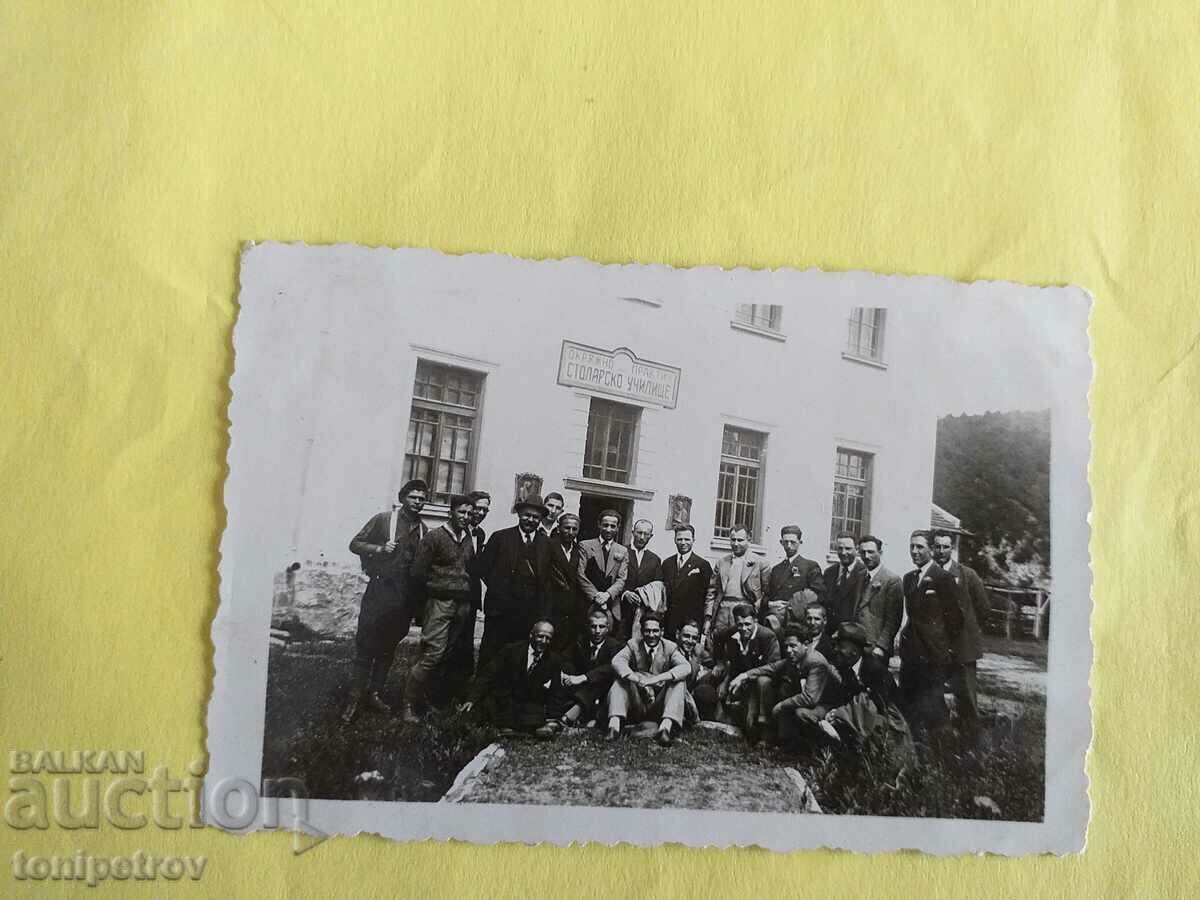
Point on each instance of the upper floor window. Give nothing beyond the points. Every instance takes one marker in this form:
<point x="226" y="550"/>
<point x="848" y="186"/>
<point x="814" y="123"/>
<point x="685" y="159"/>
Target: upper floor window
<point x="441" y="429"/>
<point x="763" y="316"/>
<point x="739" y="481"/>
<point x="611" y="438"/>
<point x="865" y="335"/>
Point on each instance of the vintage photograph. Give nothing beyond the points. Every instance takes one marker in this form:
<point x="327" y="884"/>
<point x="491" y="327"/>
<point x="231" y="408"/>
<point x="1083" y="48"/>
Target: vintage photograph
<point x="775" y="557"/>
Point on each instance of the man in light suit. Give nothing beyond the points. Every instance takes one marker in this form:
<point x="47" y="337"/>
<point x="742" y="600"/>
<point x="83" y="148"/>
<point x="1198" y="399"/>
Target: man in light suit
<point x="788" y="578"/>
<point x="844" y="581"/>
<point x="973" y="598"/>
<point x="737" y="578"/>
<point x="879" y="611"/>
<point x="651" y="682"/>
<point x="686" y="577"/>
<point x="644" y="568"/>
<point x="927" y="642"/>
<point x="606" y="563"/>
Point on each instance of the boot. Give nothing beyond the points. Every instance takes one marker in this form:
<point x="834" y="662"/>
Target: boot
<point x="407" y="715"/>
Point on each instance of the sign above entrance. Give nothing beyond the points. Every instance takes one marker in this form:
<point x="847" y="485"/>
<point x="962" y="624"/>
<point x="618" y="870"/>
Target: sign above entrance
<point x="618" y="373"/>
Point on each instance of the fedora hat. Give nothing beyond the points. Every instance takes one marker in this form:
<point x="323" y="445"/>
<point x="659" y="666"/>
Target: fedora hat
<point x="533" y="501"/>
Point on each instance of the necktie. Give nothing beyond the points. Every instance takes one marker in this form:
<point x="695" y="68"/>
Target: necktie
<point x="842" y="576"/>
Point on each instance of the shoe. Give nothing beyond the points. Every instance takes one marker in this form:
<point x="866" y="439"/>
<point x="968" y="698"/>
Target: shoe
<point x="664" y="738"/>
<point x="613" y="734"/>
<point x="350" y="712"/>
<point x="546" y="733"/>
<point x="829" y="730"/>
<point x="408" y="716"/>
<point x="375" y="703"/>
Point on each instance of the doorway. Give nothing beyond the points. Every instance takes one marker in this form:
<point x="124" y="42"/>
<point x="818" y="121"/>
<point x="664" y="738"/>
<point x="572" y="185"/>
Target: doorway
<point x="590" y="507"/>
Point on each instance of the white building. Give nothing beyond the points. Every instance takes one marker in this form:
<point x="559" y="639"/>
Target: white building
<point x="629" y="389"/>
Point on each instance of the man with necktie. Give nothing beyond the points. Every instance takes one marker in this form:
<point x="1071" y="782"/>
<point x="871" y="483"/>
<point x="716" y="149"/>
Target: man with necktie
<point x="513" y="566"/>
<point x="787" y="581"/>
<point x="737" y="578"/>
<point x="568" y="594"/>
<point x="686" y="577"/>
<point x="927" y="642"/>
<point x="968" y="648"/>
<point x="645" y="567"/>
<point x="588" y="672"/>
<point x="879" y="612"/>
<point x="606" y="563"/>
<point x="514" y="688"/>
<point x="844" y="581"/>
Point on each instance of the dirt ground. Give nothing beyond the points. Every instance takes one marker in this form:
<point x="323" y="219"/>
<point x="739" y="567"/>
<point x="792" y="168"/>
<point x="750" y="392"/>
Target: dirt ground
<point x="703" y="769"/>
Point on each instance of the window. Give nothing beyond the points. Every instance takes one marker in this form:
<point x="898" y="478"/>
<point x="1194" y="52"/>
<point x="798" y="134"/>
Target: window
<point x="851" y="494"/>
<point x="441" y="430"/>
<point x="739" y="484"/>
<point x="865" y="337"/>
<point x="611" y="433"/>
<point x="759" y="315"/>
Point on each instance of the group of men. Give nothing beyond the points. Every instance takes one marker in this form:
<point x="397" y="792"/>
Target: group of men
<point x="595" y="632"/>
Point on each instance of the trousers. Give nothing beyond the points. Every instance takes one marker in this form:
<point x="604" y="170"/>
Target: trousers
<point x="629" y="702"/>
<point x="445" y="618"/>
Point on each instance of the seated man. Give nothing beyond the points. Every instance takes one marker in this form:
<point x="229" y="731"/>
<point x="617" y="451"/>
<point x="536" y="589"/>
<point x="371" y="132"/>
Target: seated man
<point x="701" y="704"/>
<point x="815" y="628"/>
<point x="866" y="710"/>
<point x="651" y="682"/>
<point x="745" y="646"/>
<point x="798" y="680"/>
<point x="513" y="688"/>
<point x="588" y="671"/>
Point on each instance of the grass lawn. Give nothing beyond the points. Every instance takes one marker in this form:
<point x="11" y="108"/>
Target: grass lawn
<point x="304" y="738"/>
<point x="1025" y="648"/>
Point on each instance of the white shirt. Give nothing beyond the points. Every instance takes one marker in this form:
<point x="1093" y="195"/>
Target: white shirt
<point x="923" y="571"/>
<point x="637" y="555"/>
<point x="682" y="560"/>
<point x="528" y="538"/>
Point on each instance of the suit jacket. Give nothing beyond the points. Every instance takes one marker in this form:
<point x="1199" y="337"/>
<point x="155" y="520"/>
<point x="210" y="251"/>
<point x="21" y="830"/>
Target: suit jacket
<point x="973" y="599"/>
<point x="753" y="570"/>
<point x="610" y="577"/>
<point x="934" y="618"/>
<point x="797" y="684"/>
<point x="516" y="697"/>
<point x="568" y="594"/>
<point x="476" y="584"/>
<point x="786" y="579"/>
<point x="687" y="590"/>
<point x="842" y="600"/>
<point x="497" y="567"/>
<point x="704" y="668"/>
<point x="733" y="659"/>
<point x="880" y="609"/>
<point x="650" y="569"/>
<point x="598" y="669"/>
<point x="635" y="656"/>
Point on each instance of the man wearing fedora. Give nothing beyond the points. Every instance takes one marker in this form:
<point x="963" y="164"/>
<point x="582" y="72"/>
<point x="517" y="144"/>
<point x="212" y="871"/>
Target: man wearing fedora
<point x="386" y="546"/>
<point x="513" y="566"/>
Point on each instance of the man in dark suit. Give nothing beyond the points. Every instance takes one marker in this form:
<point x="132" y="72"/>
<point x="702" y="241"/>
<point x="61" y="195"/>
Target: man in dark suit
<point x="747" y="645"/>
<point x="588" y="671"/>
<point x="815" y="627"/>
<point x="879" y="612"/>
<point x="973" y="599"/>
<point x="844" y="581"/>
<point x="789" y="577"/>
<point x="606" y="563"/>
<point x="567" y="597"/>
<point x="644" y="567"/>
<point x="513" y="566"/>
<point x="514" y="687"/>
<point x="685" y="577"/>
<point x="927" y="642"/>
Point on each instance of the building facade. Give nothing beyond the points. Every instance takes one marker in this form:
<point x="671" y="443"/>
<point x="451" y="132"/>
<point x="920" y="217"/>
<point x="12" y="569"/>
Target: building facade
<point x="673" y="403"/>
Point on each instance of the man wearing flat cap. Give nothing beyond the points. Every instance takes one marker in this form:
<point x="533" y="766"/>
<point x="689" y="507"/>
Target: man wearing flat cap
<point x="439" y="574"/>
<point x="386" y="546"/>
<point x="513" y="566"/>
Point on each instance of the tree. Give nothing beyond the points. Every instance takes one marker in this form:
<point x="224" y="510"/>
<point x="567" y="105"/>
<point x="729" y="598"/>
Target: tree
<point x="993" y="472"/>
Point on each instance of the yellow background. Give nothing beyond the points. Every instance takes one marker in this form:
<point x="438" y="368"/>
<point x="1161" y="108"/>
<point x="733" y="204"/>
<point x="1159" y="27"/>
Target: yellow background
<point x="140" y="144"/>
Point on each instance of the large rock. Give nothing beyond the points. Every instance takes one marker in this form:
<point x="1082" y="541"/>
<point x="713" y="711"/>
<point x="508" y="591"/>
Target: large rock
<point x="318" y="599"/>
